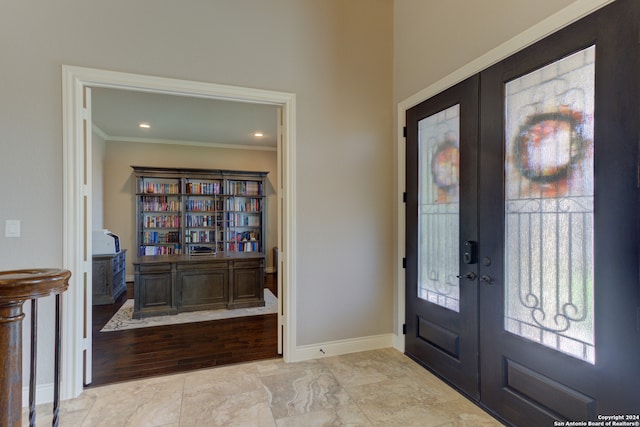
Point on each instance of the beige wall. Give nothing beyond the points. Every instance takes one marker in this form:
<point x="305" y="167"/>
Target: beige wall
<point x="119" y="200"/>
<point x="335" y="55"/>
<point x="433" y="38"/>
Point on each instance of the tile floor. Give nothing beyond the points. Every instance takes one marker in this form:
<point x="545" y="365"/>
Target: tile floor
<point x="373" y="388"/>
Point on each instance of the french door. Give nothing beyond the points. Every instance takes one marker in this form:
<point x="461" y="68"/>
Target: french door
<point x="442" y="303"/>
<point x="522" y="228"/>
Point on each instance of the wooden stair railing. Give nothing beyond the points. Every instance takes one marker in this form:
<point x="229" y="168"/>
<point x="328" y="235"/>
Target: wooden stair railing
<point x="17" y="286"/>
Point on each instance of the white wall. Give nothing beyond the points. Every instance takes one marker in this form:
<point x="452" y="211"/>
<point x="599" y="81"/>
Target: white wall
<point x="335" y="55"/>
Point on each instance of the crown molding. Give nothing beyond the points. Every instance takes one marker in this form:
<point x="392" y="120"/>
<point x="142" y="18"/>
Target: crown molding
<point x="190" y="143"/>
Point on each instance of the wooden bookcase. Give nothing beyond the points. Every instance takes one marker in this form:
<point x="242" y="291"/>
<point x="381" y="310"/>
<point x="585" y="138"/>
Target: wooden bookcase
<point x="182" y="211"/>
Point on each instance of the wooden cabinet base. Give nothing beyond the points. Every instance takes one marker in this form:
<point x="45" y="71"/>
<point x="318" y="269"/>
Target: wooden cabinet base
<point x="170" y="284"/>
<point x="108" y="273"/>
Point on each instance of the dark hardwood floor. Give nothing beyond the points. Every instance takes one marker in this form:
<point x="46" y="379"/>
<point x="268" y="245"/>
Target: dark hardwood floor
<point x="146" y="352"/>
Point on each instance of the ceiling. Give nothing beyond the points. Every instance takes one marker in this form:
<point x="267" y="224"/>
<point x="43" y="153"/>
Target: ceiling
<point x="117" y="114"/>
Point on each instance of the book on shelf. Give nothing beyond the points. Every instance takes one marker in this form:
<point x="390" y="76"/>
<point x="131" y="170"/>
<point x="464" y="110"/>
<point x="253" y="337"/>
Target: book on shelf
<point x="155" y="237"/>
<point x="244" y="188"/>
<point x="161" y="221"/>
<point x="244" y="205"/>
<point x="200" y="236"/>
<point x="205" y="188"/>
<point x="150" y="187"/>
<point x="160" y="250"/>
<point x="203" y="205"/>
<point x="244" y="220"/>
<point x="160" y="204"/>
<point x="203" y="220"/>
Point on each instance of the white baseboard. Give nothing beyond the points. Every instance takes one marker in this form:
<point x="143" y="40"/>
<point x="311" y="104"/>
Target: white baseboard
<point x="398" y="342"/>
<point x="336" y="348"/>
<point x="44" y="394"/>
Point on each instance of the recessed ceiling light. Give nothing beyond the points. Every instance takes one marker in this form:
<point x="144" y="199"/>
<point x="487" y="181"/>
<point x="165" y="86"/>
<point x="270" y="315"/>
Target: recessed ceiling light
<point x="258" y="134"/>
<point x="144" y="125"/>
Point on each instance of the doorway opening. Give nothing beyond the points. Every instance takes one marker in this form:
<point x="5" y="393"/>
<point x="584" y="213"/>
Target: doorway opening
<point x="77" y="201"/>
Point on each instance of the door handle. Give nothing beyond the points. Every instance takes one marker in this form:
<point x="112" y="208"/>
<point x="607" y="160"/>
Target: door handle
<point x="470" y="275"/>
<point x="487" y="280"/>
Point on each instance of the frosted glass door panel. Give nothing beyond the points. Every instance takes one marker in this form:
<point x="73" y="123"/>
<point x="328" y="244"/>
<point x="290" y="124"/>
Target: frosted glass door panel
<point x="438" y="200"/>
<point x="549" y="205"/>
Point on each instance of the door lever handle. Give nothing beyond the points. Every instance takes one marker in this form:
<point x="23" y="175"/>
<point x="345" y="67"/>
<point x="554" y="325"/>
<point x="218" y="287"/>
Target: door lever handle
<point x="487" y="280"/>
<point x="470" y="275"/>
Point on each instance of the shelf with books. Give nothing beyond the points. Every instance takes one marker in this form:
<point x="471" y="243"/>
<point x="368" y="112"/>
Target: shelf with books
<point x="203" y="186"/>
<point x="160" y="250"/>
<point x="205" y="210"/>
<point x="243" y="241"/>
<point x="243" y="204"/>
<point x="160" y="203"/>
<point x="160" y="221"/>
<point x="244" y="187"/>
<point x="160" y="237"/>
<point x="161" y="186"/>
<point x="213" y="220"/>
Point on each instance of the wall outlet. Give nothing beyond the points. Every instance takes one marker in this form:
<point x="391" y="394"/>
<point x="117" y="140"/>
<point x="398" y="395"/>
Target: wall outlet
<point x="12" y="228"/>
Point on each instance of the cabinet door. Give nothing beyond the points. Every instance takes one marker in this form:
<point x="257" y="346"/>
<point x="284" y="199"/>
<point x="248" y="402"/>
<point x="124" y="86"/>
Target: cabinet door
<point x="247" y="285"/>
<point x="153" y="294"/>
<point x="203" y="289"/>
<point x="101" y="282"/>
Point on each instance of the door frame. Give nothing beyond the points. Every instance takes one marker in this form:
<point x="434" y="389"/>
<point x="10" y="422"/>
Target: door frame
<point x="553" y="23"/>
<point x="77" y="165"/>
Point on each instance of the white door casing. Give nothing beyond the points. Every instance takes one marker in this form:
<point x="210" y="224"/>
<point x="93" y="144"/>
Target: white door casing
<point x="77" y="198"/>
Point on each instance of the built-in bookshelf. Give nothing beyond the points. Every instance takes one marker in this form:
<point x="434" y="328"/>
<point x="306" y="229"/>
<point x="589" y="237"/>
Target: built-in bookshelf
<point x="199" y="211"/>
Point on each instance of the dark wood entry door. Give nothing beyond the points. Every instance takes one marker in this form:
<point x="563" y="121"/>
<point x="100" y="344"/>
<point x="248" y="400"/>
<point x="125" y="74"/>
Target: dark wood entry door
<point x="442" y="308"/>
<point x="557" y="324"/>
<point x="559" y="220"/>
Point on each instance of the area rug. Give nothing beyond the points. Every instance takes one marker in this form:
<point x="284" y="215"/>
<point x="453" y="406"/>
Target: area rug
<point x="122" y="319"/>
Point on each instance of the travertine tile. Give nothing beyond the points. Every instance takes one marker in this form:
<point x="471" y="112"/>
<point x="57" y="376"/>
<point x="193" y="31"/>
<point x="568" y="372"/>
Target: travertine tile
<point x="213" y="407"/>
<point x="303" y="390"/>
<point x="228" y="379"/>
<point x="464" y="413"/>
<point x="275" y="366"/>
<point x="374" y="388"/>
<point x="72" y="412"/>
<point x="402" y="401"/>
<point x="348" y="415"/>
<point x="154" y="402"/>
<point x="368" y="367"/>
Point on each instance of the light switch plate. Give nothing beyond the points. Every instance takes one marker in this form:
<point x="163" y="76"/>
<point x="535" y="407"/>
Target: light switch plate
<point x="12" y="228"/>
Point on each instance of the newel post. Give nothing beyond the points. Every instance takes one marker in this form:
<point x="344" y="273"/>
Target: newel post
<point x="16" y="287"/>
